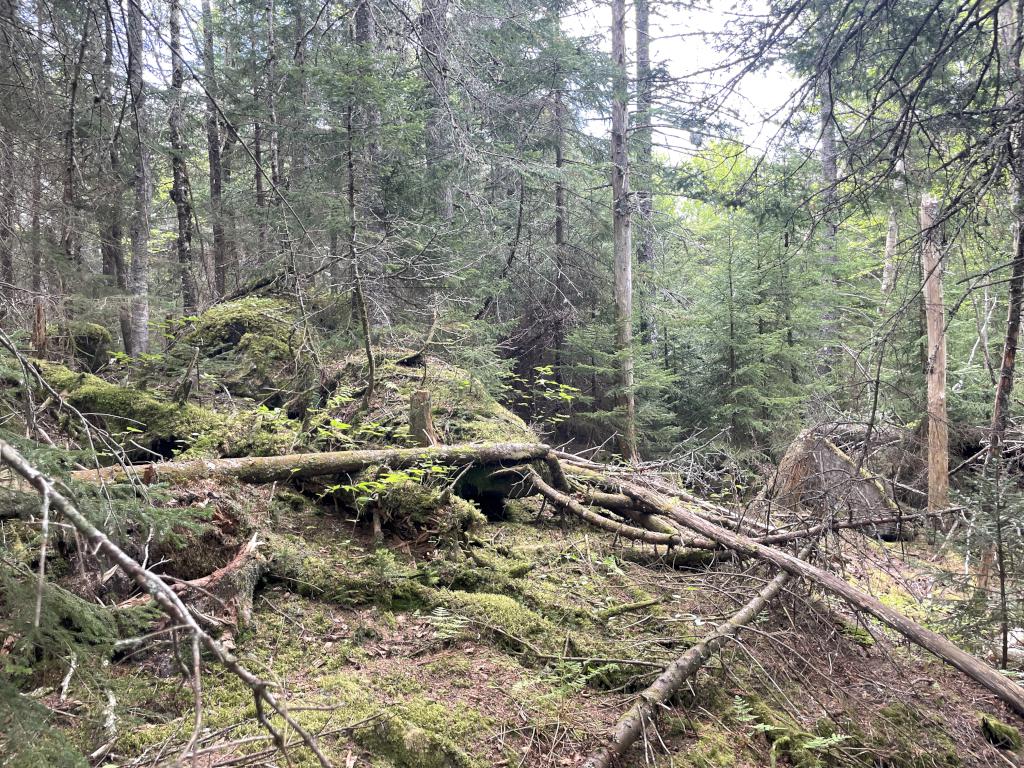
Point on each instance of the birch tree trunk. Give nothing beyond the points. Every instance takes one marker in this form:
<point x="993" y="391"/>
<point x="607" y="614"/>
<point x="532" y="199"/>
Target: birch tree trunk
<point x="938" y="431"/>
<point x="138" y="276"/>
<point x="892" y="236"/>
<point x="622" y="236"/>
<point x="181" y="193"/>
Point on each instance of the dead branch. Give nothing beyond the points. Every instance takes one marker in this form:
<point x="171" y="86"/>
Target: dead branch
<point x="165" y="597"/>
<point x="1007" y="690"/>
<point x="635" y="720"/>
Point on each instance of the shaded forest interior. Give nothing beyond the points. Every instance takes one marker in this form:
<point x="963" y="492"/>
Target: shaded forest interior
<point x="517" y="383"/>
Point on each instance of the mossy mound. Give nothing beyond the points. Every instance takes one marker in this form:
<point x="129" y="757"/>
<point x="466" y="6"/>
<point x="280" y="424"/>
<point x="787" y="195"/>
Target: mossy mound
<point x="228" y="323"/>
<point x="146" y="423"/>
<point x="463" y="411"/>
<point x="999" y="734"/>
<point x="251" y="346"/>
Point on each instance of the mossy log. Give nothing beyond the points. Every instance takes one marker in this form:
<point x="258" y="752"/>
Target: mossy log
<point x="270" y="469"/>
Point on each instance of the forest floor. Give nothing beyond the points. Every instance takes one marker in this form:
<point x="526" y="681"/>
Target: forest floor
<point x="510" y="655"/>
<point x="457" y="640"/>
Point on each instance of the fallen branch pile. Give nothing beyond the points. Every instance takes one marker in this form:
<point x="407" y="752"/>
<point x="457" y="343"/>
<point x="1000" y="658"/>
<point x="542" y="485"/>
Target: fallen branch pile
<point x="609" y="499"/>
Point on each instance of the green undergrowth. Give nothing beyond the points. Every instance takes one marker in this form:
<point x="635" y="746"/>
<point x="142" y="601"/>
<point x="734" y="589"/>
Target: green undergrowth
<point x="463" y="410"/>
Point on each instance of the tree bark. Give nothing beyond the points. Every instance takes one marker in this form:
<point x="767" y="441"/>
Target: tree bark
<point x="892" y="235"/>
<point x="138" y="276"/>
<point x="109" y="210"/>
<point x="644" y="137"/>
<point x="830" y="198"/>
<point x="8" y="9"/>
<point x="938" y="428"/>
<point x="434" y="65"/>
<point x="421" y="421"/>
<point x="268" y="469"/>
<point x="181" y="192"/>
<point x="213" y="154"/>
<point x="621" y="225"/>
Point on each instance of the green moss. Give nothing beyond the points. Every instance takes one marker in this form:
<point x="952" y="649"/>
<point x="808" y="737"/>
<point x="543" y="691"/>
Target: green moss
<point x="343" y="575"/>
<point x="714" y="748"/>
<point x="229" y="322"/>
<point x="510" y="619"/>
<point x="169" y="428"/>
<point x="1000" y="734"/>
<point x="856" y="633"/>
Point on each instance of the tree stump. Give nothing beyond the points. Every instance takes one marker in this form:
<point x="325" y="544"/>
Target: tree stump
<point x="421" y="422"/>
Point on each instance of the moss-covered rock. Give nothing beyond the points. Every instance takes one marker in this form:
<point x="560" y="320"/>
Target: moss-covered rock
<point x="229" y="322"/>
<point x="249" y="346"/>
<point x="1000" y="734"/>
<point x="144" y="420"/>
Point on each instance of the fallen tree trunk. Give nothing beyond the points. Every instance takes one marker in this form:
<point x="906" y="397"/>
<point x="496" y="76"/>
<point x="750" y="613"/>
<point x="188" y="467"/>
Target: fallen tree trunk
<point x="571" y="505"/>
<point x="977" y="670"/>
<point x="634" y="722"/>
<point x="269" y="469"/>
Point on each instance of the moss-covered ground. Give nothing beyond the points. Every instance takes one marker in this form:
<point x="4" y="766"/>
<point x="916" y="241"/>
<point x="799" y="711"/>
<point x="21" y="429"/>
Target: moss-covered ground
<point x="520" y="647"/>
<point x="514" y="639"/>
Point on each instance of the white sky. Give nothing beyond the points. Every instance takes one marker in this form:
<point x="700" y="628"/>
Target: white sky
<point x="679" y="41"/>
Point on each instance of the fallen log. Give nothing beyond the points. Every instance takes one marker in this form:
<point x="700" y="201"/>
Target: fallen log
<point x="569" y="504"/>
<point x="269" y="469"/>
<point x="1007" y="690"/>
<point x="637" y="718"/>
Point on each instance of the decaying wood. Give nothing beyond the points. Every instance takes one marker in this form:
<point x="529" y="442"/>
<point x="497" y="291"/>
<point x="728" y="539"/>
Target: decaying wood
<point x="1007" y="690"/>
<point x="815" y="474"/>
<point x="637" y="718"/>
<point x="569" y="504"/>
<point x="269" y="469"/>
<point x="935" y="314"/>
<point x="421" y="421"/>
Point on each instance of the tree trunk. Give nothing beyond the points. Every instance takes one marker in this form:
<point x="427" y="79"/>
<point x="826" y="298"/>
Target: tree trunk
<point x="269" y="469"/>
<point x="69" y="235"/>
<point x="892" y="235"/>
<point x="830" y="205"/>
<point x="644" y="136"/>
<point x="109" y="210"/>
<point x="181" y="192"/>
<point x="434" y="64"/>
<point x="938" y="427"/>
<point x="138" y="277"/>
<point x="623" y="247"/>
<point x="8" y="202"/>
<point x="213" y="153"/>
